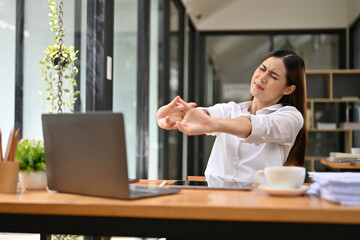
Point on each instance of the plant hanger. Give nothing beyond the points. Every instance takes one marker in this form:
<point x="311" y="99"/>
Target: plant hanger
<point x="58" y="67"/>
<point x="60" y="56"/>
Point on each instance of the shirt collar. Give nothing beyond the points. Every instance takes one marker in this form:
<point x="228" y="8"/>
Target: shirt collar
<point x="272" y="108"/>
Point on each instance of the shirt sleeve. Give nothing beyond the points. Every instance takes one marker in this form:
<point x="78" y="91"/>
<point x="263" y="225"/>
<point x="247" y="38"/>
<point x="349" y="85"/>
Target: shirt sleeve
<point x="281" y="126"/>
<point x="221" y="110"/>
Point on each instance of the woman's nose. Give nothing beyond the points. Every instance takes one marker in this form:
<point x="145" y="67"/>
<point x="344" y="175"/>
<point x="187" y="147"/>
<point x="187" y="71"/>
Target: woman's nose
<point x="263" y="77"/>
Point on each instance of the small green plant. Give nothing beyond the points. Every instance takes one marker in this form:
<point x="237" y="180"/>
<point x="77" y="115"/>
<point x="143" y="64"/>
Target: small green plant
<point x="31" y="155"/>
<point x="50" y="70"/>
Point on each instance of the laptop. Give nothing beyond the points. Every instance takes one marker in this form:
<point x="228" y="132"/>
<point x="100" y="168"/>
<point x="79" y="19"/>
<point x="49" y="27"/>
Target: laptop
<point x="86" y="154"/>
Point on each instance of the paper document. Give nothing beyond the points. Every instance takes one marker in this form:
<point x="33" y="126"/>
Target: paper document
<point x="339" y="187"/>
<point x="344" y="156"/>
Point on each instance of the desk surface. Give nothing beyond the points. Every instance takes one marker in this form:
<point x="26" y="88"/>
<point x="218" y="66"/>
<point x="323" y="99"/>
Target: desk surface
<point x="189" y="204"/>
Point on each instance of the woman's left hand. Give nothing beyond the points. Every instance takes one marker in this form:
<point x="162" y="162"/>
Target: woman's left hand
<point x="195" y="121"/>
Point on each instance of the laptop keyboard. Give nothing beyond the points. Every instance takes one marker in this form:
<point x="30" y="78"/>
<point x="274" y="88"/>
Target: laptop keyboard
<point x="143" y="191"/>
<point x="142" y="188"/>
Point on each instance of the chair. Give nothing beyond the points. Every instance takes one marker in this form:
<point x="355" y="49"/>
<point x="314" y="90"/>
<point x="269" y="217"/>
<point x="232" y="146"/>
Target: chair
<point x="196" y="178"/>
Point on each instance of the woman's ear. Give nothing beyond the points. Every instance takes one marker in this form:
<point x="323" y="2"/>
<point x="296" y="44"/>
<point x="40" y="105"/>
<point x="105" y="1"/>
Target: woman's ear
<point x="289" y="90"/>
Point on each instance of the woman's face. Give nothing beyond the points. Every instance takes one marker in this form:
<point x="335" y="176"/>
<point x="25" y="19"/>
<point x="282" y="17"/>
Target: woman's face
<point x="269" y="83"/>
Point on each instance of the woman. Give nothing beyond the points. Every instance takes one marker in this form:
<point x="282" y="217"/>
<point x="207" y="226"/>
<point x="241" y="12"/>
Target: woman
<point x="268" y="131"/>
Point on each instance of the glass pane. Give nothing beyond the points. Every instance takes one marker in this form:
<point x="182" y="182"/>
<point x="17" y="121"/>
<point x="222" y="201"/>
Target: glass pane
<point x="125" y="73"/>
<point x="356" y="59"/>
<point x="174" y="140"/>
<point x="7" y="62"/>
<point x="319" y="51"/>
<point x="232" y="61"/>
<point x="37" y="38"/>
<point x="82" y="55"/>
<point x="174" y="50"/>
<point x="322" y="143"/>
<point x="356" y="46"/>
<point x="356" y="117"/>
<point x="153" y="96"/>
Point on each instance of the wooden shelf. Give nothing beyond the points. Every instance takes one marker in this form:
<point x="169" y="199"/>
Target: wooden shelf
<point x="340" y="165"/>
<point x="313" y="158"/>
<point x="332" y="100"/>
<point x="332" y="71"/>
<point x="332" y="130"/>
<point x="333" y="86"/>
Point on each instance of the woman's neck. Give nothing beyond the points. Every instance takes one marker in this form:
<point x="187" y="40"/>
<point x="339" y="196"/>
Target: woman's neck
<point x="257" y="105"/>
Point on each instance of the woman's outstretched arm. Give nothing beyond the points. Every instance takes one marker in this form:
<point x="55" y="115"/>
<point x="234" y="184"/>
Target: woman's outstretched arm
<point x="168" y="115"/>
<point x="198" y="122"/>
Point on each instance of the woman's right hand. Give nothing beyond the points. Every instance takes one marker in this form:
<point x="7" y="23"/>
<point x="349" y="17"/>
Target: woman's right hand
<point x="195" y="121"/>
<point x="168" y="115"/>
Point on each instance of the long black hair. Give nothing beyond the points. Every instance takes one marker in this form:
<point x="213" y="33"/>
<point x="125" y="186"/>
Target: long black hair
<point x="295" y="75"/>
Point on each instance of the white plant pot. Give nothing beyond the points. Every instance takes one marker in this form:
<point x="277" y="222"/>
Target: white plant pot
<point x="33" y="180"/>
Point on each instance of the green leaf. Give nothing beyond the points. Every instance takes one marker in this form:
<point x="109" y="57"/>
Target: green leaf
<point x="31" y="155"/>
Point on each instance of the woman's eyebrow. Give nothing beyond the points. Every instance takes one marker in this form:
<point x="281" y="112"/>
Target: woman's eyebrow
<point x="271" y="71"/>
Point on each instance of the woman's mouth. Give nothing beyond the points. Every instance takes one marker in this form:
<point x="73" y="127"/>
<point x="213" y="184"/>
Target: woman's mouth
<point x="258" y="86"/>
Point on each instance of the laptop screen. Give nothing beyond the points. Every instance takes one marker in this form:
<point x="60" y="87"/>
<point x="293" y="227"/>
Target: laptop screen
<point x="86" y="153"/>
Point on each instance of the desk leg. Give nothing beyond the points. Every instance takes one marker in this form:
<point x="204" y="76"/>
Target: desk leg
<point x="96" y="238"/>
<point x="44" y="236"/>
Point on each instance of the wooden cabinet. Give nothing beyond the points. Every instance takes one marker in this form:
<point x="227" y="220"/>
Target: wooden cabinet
<point x="333" y="113"/>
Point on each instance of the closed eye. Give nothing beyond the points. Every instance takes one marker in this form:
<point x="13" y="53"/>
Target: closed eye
<point x="273" y="74"/>
<point x="262" y="67"/>
<point x="274" y="77"/>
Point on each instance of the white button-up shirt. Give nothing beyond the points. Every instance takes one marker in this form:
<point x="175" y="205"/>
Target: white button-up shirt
<point x="274" y="130"/>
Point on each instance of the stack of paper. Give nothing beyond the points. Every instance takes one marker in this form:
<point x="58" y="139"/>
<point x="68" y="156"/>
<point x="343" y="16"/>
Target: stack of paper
<point x="343" y="157"/>
<point x="324" y="125"/>
<point x="350" y="125"/>
<point x="339" y="187"/>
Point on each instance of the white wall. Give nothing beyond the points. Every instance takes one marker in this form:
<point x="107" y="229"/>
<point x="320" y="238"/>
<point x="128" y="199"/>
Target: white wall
<point x="277" y="14"/>
<point x="353" y="10"/>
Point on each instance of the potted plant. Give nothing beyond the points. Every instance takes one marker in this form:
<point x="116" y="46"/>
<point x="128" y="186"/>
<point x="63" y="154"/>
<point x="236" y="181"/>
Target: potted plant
<point x="51" y="69"/>
<point x="31" y="155"/>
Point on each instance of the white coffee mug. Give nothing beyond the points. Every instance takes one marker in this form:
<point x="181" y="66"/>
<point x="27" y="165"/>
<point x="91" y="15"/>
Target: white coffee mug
<point x="287" y="177"/>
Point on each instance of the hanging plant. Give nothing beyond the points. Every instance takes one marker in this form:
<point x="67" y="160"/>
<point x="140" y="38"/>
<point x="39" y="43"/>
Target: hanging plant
<point x="58" y="77"/>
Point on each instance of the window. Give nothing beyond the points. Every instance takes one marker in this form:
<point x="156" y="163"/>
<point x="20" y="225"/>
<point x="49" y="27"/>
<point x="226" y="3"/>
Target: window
<point x="234" y="57"/>
<point x="7" y="62"/>
<point x="355" y="45"/>
<point x="125" y="73"/>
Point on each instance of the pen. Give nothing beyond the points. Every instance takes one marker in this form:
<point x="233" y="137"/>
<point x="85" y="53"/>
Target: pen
<point x="162" y="184"/>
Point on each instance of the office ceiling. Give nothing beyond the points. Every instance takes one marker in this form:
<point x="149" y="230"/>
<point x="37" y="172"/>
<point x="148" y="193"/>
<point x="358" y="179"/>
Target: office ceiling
<point x="200" y="10"/>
